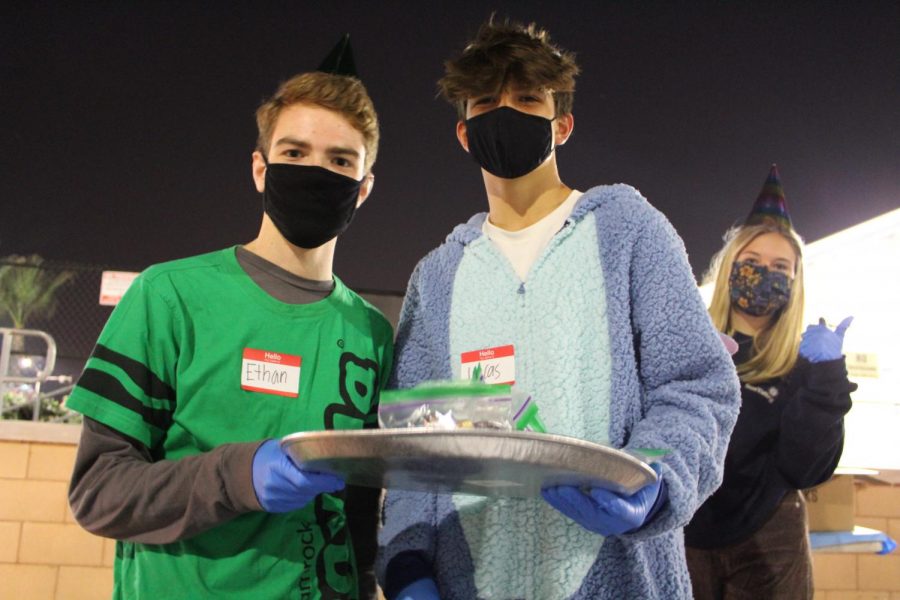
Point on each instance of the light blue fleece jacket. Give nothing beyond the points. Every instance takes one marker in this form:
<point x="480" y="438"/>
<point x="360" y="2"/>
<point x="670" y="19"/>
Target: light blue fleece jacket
<point x="614" y="342"/>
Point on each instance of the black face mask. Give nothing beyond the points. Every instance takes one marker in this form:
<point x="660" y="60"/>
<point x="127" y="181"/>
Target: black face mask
<point x="309" y="205"/>
<point x="509" y="143"/>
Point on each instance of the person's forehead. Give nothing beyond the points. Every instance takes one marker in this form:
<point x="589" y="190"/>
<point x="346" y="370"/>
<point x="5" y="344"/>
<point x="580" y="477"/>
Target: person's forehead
<point x="509" y="87"/>
<point x="770" y="244"/>
<point x="313" y="121"/>
<point x="515" y="86"/>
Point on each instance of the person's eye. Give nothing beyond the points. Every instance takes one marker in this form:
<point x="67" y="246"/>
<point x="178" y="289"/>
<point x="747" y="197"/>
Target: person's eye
<point x="529" y="99"/>
<point x="293" y="153"/>
<point x="749" y="260"/>
<point x="483" y="100"/>
<point x="342" y="162"/>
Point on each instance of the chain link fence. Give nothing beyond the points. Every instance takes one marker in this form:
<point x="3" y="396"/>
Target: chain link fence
<point x="78" y="317"/>
<point x="73" y="318"/>
<point x="75" y="323"/>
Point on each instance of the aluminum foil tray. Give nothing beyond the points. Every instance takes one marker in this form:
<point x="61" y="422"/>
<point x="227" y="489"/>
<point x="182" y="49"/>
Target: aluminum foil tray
<point x="483" y="462"/>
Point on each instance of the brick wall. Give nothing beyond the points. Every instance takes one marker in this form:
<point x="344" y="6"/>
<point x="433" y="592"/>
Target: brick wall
<point x="44" y="554"/>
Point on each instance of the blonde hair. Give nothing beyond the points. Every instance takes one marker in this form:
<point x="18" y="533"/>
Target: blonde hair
<point x="344" y="95"/>
<point x="776" y="346"/>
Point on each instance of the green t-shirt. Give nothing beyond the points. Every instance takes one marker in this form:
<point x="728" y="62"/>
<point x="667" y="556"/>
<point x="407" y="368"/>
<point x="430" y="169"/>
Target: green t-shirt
<point x="197" y="355"/>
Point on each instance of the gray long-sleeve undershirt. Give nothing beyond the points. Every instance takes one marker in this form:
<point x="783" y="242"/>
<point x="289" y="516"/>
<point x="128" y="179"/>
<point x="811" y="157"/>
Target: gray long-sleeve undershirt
<point x="119" y="491"/>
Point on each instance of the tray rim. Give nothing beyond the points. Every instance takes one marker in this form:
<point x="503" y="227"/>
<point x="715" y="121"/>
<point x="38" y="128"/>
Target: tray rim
<point x="474" y="432"/>
<point x="413" y="432"/>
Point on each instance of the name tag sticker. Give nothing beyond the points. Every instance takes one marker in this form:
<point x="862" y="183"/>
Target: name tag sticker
<point x="498" y="365"/>
<point x="270" y="372"/>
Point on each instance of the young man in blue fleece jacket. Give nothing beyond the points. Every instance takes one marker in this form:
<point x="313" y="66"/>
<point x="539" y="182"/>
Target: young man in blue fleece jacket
<point x="594" y="295"/>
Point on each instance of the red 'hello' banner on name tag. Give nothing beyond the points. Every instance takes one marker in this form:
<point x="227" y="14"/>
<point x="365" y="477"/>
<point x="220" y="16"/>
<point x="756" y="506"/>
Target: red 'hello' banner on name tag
<point x="270" y="372"/>
<point x="498" y="365"/>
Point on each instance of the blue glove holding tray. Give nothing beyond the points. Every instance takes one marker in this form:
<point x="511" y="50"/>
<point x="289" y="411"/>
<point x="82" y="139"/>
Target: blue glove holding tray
<point x="606" y="512"/>
<point x="282" y="487"/>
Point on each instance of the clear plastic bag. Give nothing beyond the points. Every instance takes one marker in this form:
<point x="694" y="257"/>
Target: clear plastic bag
<point x="447" y="405"/>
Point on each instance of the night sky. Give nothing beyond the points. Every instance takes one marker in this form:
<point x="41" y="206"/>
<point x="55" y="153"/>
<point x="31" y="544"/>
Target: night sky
<point x="128" y="126"/>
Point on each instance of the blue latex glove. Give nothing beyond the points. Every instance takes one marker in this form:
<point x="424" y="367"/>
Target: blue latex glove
<point x="420" y="589"/>
<point x="280" y="486"/>
<point x="606" y="512"/>
<point x="820" y="344"/>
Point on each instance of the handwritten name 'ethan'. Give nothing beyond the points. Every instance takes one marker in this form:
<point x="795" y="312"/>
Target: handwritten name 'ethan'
<point x="264" y="373"/>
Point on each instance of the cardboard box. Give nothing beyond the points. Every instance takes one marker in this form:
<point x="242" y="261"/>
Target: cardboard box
<point x="831" y="506"/>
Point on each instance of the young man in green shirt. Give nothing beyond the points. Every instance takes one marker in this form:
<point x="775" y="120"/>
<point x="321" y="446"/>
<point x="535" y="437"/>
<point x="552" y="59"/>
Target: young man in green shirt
<point x="208" y="360"/>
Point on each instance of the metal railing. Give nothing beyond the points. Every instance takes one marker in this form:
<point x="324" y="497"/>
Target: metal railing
<point x="23" y="368"/>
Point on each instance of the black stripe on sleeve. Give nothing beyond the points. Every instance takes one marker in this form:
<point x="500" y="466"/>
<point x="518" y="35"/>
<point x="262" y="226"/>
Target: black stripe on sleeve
<point x="109" y="387"/>
<point x="152" y="385"/>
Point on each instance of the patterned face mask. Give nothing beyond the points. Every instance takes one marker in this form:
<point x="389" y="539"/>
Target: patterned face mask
<point x="756" y="290"/>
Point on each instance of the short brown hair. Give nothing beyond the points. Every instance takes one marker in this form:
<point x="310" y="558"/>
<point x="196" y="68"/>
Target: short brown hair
<point x="508" y="52"/>
<point x="344" y="95"/>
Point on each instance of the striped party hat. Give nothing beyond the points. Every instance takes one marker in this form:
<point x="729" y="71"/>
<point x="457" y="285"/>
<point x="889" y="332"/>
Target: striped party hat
<point x="770" y="206"/>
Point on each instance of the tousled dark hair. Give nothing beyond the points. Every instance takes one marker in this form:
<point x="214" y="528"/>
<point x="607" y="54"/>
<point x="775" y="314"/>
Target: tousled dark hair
<point x="509" y="52"/>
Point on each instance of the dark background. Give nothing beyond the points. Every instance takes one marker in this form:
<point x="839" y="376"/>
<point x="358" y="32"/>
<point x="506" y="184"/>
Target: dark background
<point x="128" y="126"/>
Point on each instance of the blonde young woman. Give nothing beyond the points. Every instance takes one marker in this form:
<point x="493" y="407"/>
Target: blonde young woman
<point x="749" y="539"/>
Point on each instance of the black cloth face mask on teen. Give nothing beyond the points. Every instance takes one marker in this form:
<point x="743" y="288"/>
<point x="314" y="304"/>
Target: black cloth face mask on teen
<point x="509" y="143"/>
<point x="309" y="205"/>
